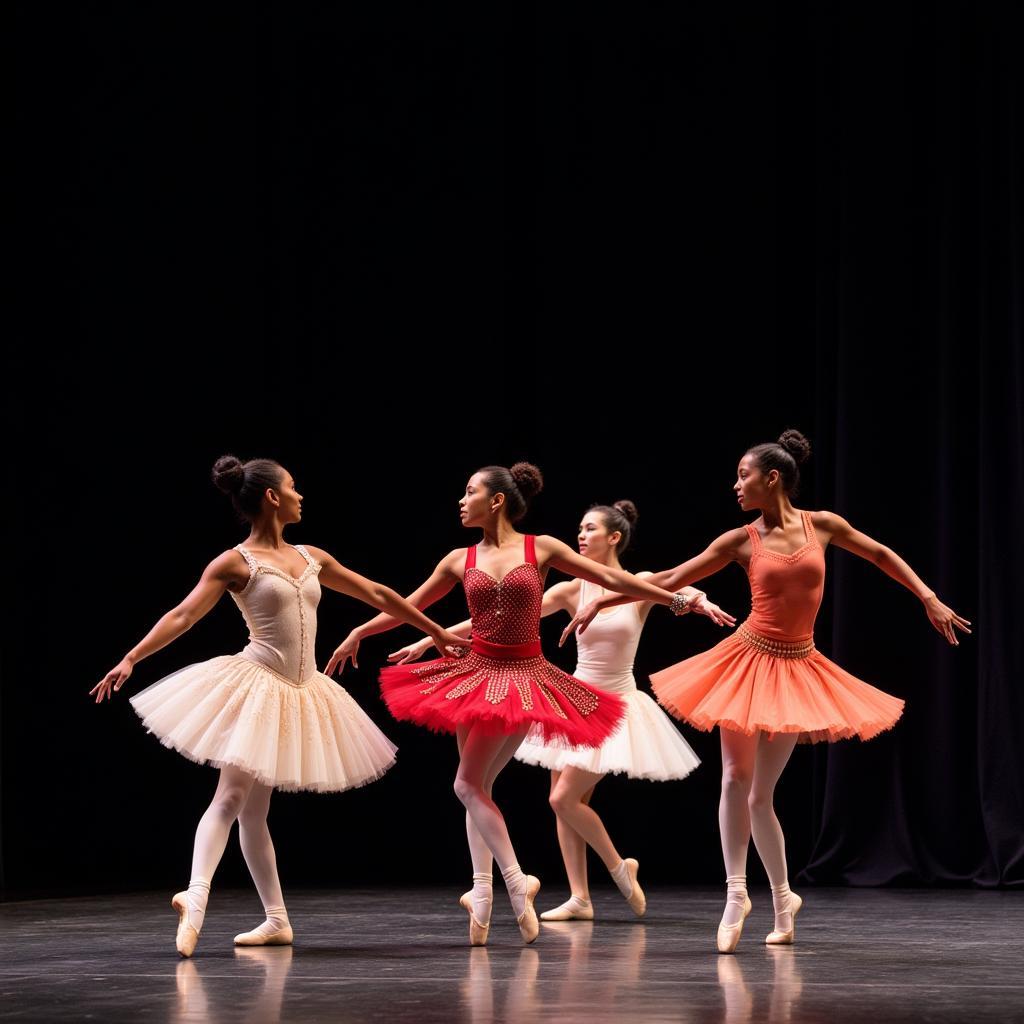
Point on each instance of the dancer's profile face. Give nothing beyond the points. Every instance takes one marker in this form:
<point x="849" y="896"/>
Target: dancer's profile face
<point x="475" y="504"/>
<point x="593" y="539"/>
<point x="751" y="485"/>
<point x="289" y="509"/>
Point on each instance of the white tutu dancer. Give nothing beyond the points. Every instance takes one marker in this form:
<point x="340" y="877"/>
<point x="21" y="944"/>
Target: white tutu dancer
<point x="267" y="710"/>
<point x="646" y="745"/>
<point x="265" y="717"/>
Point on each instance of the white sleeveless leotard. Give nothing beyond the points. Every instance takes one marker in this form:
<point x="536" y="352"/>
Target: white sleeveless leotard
<point x="646" y="745"/>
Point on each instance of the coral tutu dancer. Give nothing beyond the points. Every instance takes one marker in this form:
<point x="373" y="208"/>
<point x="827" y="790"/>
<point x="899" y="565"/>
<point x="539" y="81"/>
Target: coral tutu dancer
<point x="265" y="717"/>
<point x="504" y="687"/>
<point x="766" y="686"/>
<point x="645" y="745"/>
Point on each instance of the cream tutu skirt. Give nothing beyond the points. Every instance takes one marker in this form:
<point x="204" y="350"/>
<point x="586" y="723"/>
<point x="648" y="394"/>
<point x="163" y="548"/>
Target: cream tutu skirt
<point x="645" y="745"/>
<point x="233" y="711"/>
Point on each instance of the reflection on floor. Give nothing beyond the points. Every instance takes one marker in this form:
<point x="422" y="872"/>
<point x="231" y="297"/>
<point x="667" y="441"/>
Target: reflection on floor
<point x="875" y="956"/>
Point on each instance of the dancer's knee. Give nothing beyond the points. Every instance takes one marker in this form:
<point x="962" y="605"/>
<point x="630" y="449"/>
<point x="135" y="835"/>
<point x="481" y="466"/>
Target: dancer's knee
<point x="466" y="790"/>
<point x="760" y="801"/>
<point x="736" y="781"/>
<point x="229" y="801"/>
<point x="561" y="801"/>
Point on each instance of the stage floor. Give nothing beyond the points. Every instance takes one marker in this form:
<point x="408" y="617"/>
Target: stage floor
<point x="873" y="956"/>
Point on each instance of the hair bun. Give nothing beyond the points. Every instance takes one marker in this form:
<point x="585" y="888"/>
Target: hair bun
<point x="528" y="478"/>
<point x="228" y="474"/>
<point x="796" y="444"/>
<point x="628" y="509"/>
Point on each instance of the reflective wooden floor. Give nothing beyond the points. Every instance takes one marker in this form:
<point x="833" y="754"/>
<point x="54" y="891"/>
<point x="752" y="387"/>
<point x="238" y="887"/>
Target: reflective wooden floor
<point x="878" y="956"/>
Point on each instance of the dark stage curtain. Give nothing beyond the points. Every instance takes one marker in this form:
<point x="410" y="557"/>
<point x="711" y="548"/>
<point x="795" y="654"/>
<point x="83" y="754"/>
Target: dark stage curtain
<point x="623" y="242"/>
<point x="919" y="189"/>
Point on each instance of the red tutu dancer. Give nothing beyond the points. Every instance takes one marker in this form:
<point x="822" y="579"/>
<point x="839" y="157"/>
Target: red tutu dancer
<point x="503" y="686"/>
<point x="766" y="686"/>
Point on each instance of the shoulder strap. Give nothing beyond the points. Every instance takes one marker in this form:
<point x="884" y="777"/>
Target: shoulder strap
<point x="812" y="536"/>
<point x="755" y="537"/>
<point x="529" y="549"/>
<point x="471" y="557"/>
<point x="310" y="560"/>
<point x="249" y="560"/>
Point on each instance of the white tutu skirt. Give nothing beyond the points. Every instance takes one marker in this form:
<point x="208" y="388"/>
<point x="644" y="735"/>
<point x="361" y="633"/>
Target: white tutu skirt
<point x="645" y="745"/>
<point x="233" y="711"/>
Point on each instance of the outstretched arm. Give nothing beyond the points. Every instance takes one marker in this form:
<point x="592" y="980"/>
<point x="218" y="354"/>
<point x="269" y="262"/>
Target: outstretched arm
<point x="843" y="535"/>
<point x="718" y="554"/>
<point x="225" y="570"/>
<point x="440" y="581"/>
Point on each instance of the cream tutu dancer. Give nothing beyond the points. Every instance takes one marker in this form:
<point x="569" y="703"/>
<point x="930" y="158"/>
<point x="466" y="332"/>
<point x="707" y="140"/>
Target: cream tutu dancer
<point x="645" y="745"/>
<point x="505" y="686"/>
<point x="265" y="717"/>
<point x="767" y="686"/>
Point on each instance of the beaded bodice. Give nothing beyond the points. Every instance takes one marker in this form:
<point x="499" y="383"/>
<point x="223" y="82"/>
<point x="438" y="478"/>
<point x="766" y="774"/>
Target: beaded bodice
<point x="505" y="611"/>
<point x="280" y="611"/>
<point x="786" y="590"/>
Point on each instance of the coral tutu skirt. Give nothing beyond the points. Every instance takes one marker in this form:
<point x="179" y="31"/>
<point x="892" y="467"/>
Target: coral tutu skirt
<point x="233" y="711"/>
<point x="750" y="683"/>
<point x="502" y="690"/>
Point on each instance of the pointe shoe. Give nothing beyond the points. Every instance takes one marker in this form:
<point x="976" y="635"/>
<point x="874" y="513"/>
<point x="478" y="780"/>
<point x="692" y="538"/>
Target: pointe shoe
<point x="729" y="934"/>
<point x="477" y="931"/>
<point x="282" y="937"/>
<point x="529" y="926"/>
<point x="187" y="936"/>
<point x="777" y="938"/>
<point x="636" y="898"/>
<point x="568" y="912"/>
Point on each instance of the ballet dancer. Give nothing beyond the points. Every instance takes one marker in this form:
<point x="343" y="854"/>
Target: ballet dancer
<point x="766" y="685"/>
<point x="265" y="717"/>
<point x="645" y="746"/>
<point x="504" y="686"/>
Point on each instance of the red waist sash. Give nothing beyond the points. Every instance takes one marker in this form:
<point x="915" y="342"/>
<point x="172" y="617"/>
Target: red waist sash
<point x="506" y="652"/>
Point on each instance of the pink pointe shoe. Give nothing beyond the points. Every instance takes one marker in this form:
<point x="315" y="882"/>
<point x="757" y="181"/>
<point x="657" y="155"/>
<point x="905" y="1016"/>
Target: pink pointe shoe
<point x="777" y="938"/>
<point x="187" y="936"/>
<point x="729" y="934"/>
<point x="477" y="931"/>
<point x="529" y="926"/>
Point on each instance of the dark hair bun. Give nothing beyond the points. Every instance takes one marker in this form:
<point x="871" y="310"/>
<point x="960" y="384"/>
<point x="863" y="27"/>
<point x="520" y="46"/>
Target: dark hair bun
<point x="796" y="444"/>
<point x="628" y="509"/>
<point x="228" y="474"/>
<point x="528" y="478"/>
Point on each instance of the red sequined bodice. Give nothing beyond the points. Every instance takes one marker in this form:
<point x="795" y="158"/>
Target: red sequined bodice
<point x="505" y="611"/>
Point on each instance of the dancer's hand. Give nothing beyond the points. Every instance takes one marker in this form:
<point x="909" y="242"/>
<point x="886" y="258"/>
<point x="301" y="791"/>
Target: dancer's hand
<point x="449" y="644"/>
<point x="583" y="618"/>
<point x="346" y="650"/>
<point x="702" y="606"/>
<point x="944" y="619"/>
<point x="411" y="652"/>
<point x="112" y="681"/>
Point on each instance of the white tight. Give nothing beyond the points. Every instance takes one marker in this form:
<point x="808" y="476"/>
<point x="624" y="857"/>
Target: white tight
<point x="239" y="796"/>
<point x="481" y="759"/>
<point x="751" y="767"/>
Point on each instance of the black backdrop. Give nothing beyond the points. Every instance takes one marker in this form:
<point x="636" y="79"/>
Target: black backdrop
<point x="387" y="245"/>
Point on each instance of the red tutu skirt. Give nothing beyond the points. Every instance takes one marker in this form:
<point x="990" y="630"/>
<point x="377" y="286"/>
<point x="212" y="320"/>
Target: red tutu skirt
<point x="502" y="695"/>
<point x="750" y="683"/>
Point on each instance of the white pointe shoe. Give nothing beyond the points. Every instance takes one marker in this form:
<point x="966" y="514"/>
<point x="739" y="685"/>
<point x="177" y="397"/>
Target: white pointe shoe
<point x="282" y="937"/>
<point x="729" y="934"/>
<point x="777" y="938"/>
<point x="570" y="910"/>
<point x="636" y="898"/>
<point x="529" y="926"/>
<point x="187" y="936"/>
<point x="477" y="930"/>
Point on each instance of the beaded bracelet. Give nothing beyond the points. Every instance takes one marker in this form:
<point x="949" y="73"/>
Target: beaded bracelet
<point x="680" y="603"/>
